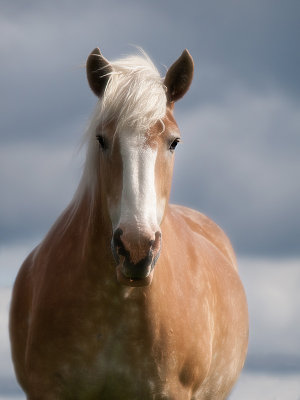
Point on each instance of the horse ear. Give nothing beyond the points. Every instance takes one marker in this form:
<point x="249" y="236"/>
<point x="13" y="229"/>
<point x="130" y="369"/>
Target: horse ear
<point x="98" y="70"/>
<point x="179" y="77"/>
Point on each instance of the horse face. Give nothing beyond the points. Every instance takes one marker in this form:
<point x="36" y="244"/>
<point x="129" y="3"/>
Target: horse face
<point x="137" y="162"/>
<point x="136" y="172"/>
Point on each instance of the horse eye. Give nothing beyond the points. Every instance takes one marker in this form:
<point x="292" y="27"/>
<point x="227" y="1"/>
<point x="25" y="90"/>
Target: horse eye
<point x="102" y="142"/>
<point x="174" y="144"/>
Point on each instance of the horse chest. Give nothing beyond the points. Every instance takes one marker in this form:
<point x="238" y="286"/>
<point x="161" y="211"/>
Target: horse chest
<point x="117" y="360"/>
<point x="125" y="353"/>
<point x="136" y="355"/>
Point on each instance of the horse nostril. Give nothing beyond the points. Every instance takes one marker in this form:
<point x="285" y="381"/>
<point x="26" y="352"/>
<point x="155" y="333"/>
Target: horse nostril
<point x="155" y="242"/>
<point x="117" y="236"/>
<point x="118" y="244"/>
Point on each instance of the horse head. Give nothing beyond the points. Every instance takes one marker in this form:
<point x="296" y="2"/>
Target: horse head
<point x="137" y="135"/>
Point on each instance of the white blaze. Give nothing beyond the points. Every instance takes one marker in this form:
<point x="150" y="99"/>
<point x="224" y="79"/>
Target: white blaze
<point x="138" y="202"/>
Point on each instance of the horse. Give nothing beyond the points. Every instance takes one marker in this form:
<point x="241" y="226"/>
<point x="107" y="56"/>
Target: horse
<point x="128" y="296"/>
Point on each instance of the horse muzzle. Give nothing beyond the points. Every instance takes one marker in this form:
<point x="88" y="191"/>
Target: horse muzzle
<point x="136" y="255"/>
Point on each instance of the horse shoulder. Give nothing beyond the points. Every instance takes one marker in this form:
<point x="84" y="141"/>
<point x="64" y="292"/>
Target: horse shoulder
<point x="210" y="271"/>
<point x="188" y="219"/>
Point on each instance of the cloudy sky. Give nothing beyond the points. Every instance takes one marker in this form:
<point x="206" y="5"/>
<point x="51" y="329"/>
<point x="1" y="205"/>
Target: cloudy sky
<point x="239" y="161"/>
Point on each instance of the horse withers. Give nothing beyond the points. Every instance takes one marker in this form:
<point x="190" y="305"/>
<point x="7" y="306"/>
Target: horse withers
<point x="127" y="296"/>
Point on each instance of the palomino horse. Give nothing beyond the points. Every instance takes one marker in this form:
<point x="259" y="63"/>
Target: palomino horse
<point x="129" y="297"/>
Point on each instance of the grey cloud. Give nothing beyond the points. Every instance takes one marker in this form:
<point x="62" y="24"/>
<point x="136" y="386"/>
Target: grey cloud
<point x="238" y="163"/>
<point x="43" y="47"/>
<point x="43" y="56"/>
<point x="262" y="386"/>
<point x="40" y="182"/>
<point x="273" y="298"/>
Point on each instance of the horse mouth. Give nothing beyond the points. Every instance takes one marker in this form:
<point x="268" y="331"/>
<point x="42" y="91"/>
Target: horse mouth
<point x="133" y="282"/>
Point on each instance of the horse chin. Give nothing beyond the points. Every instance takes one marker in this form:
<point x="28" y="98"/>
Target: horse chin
<point x="133" y="282"/>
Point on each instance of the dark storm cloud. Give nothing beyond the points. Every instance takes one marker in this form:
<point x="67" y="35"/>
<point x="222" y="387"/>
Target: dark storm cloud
<point x="240" y="149"/>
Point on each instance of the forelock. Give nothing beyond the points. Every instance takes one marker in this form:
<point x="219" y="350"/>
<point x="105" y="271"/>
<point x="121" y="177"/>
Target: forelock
<point x="135" y="96"/>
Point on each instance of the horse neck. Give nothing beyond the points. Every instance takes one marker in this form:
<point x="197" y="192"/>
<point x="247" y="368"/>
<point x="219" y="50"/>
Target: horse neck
<point x="84" y="227"/>
<point x="93" y="215"/>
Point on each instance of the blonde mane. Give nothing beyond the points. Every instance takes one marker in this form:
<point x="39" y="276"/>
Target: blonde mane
<point x="135" y="95"/>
